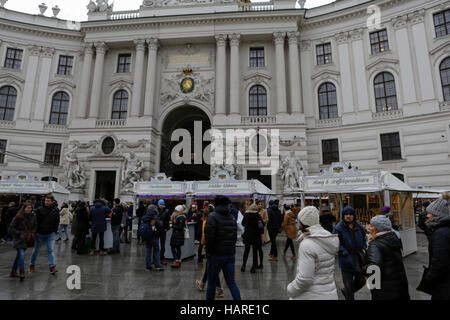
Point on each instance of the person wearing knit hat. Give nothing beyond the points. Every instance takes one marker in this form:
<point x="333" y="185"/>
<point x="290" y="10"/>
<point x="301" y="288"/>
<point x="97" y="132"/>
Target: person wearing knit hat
<point x="309" y="216"/>
<point x="352" y="251"/>
<point x="436" y="281"/>
<point x="177" y="240"/>
<point x="386" y="210"/>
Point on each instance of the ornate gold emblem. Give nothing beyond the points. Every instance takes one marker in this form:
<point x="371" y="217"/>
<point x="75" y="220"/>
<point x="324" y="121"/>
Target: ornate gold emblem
<point x="187" y="85"/>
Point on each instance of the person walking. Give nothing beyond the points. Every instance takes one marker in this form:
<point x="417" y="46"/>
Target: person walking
<point x="352" y="252"/>
<point x="274" y="225"/>
<point x="177" y="240"/>
<point x="140" y="212"/>
<point x="436" y="278"/>
<point x="23" y="228"/>
<point x="290" y="227"/>
<point x="47" y="219"/>
<point x="220" y="238"/>
<point x="254" y="228"/>
<point x="64" y="220"/>
<point x="316" y="260"/>
<point x="327" y="218"/>
<point x="265" y="220"/>
<point x="97" y="216"/>
<point x="202" y="222"/>
<point x="82" y="227"/>
<point x="164" y="216"/>
<point x="116" y="220"/>
<point x="152" y="242"/>
<point x="385" y="252"/>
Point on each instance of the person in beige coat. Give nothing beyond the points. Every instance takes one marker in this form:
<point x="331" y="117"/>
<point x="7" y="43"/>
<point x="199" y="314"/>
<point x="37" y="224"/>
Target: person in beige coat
<point x="65" y="217"/>
<point x="290" y="227"/>
<point x="265" y="219"/>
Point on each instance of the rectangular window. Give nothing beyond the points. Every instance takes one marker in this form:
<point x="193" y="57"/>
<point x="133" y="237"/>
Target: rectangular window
<point x="442" y="23"/>
<point x="330" y="151"/>
<point x="323" y="52"/>
<point x="379" y="41"/>
<point x="390" y="146"/>
<point x="52" y="153"/>
<point x="65" y="65"/>
<point x="124" y="64"/>
<point x="2" y="148"/>
<point x="256" y="57"/>
<point x="13" y="58"/>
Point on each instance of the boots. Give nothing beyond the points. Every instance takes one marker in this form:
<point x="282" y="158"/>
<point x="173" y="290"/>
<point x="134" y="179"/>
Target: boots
<point x="22" y="275"/>
<point x="13" y="273"/>
<point x="253" y="269"/>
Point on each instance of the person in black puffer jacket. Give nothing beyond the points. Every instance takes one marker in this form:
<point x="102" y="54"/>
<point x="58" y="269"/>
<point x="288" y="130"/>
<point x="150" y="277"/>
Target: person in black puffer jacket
<point x="177" y="240"/>
<point x="220" y="237"/>
<point x="274" y="227"/>
<point x="82" y="227"/>
<point x="252" y="235"/>
<point x="385" y="252"/>
<point x="116" y="220"/>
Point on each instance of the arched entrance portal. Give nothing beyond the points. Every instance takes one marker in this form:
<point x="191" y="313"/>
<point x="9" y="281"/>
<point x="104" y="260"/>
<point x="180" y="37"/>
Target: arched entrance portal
<point x="184" y="118"/>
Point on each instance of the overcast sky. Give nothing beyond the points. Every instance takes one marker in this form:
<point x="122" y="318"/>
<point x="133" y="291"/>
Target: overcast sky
<point x="76" y="9"/>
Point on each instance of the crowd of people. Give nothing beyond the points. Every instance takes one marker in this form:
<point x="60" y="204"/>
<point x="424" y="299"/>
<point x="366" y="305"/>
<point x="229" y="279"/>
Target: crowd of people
<point x="312" y="236"/>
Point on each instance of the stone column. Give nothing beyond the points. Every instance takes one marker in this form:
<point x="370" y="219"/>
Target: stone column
<point x="360" y="70"/>
<point x="346" y="74"/>
<point x="294" y="73"/>
<point x="307" y="64"/>
<point x="98" y="80"/>
<point x="28" y="91"/>
<point x="85" y="81"/>
<point x="138" y="78"/>
<point x="151" y="77"/>
<point x="220" y="73"/>
<point x="44" y="76"/>
<point x="278" y="38"/>
<point x="234" y="74"/>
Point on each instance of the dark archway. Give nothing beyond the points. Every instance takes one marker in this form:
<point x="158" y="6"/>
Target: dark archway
<point x="184" y="118"/>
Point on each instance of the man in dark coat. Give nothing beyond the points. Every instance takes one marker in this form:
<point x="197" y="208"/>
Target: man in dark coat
<point x="327" y="219"/>
<point x="151" y="217"/>
<point x="116" y="219"/>
<point x="352" y="252"/>
<point x="274" y="227"/>
<point x="140" y="212"/>
<point x="82" y="226"/>
<point x="97" y="216"/>
<point x="252" y="235"/>
<point x="220" y="238"/>
<point x="164" y="216"/>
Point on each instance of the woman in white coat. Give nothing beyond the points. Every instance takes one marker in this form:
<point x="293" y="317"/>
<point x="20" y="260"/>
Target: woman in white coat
<point x="316" y="260"/>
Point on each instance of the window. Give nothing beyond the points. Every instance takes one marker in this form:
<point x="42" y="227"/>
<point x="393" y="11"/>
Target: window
<point x="330" y="151"/>
<point x="256" y="57"/>
<point x="385" y="93"/>
<point x="2" y="148"/>
<point x="60" y="108"/>
<point x="13" y="58"/>
<point x="108" y="145"/>
<point x="258" y="101"/>
<point x="323" y="52"/>
<point x="390" y="146"/>
<point x="65" y="65"/>
<point x="444" y="68"/>
<point x="52" y="153"/>
<point x="327" y="101"/>
<point x="379" y="41"/>
<point x="120" y="105"/>
<point x="8" y="97"/>
<point x="442" y="23"/>
<point x="124" y="64"/>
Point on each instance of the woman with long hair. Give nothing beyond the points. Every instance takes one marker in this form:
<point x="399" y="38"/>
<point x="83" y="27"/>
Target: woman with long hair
<point x="177" y="240"/>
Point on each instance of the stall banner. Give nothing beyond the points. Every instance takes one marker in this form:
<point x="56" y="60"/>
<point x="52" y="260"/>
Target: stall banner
<point x="24" y="187"/>
<point x="360" y="180"/>
<point x="214" y="187"/>
<point x="160" y="188"/>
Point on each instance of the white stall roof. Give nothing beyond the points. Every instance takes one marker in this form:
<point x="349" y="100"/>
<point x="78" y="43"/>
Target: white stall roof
<point x="22" y="183"/>
<point x="161" y="186"/>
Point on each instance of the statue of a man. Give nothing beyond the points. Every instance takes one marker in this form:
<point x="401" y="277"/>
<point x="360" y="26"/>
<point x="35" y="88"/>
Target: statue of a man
<point x="132" y="172"/>
<point x="75" y="176"/>
<point x="291" y="169"/>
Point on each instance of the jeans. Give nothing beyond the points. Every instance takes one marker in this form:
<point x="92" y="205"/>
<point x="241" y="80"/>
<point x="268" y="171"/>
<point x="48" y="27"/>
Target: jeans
<point x="66" y="230"/>
<point x="19" y="261"/>
<point x="226" y="264"/>
<point x="273" y="242"/>
<point x="116" y="238"/>
<point x="49" y="240"/>
<point x="152" y="245"/>
<point x="101" y="242"/>
<point x="163" y="245"/>
<point x="176" y="252"/>
<point x="353" y="282"/>
<point x="289" y="243"/>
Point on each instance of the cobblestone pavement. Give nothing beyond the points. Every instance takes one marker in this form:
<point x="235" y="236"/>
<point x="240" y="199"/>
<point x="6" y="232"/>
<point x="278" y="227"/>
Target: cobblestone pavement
<point x="124" y="276"/>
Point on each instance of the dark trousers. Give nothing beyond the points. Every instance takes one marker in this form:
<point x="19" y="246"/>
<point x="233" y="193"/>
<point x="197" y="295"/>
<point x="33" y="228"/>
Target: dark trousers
<point x="199" y="253"/>
<point x="273" y="242"/>
<point x="289" y="243"/>
<point x="226" y="264"/>
<point x="163" y="245"/>
<point x="139" y="228"/>
<point x="353" y="282"/>
<point x="255" y="255"/>
<point x="80" y="246"/>
<point x="94" y="241"/>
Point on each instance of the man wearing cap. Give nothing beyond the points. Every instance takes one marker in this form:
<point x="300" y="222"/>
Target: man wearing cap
<point x="352" y="251"/>
<point x="164" y="217"/>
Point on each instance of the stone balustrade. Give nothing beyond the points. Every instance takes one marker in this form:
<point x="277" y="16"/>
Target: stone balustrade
<point x="329" y="123"/>
<point x="5" y="124"/>
<point x="111" y="123"/>
<point x="252" y="120"/>
<point x="55" y="128"/>
<point x="262" y="6"/>
<point x="122" y="15"/>
<point x="387" y="115"/>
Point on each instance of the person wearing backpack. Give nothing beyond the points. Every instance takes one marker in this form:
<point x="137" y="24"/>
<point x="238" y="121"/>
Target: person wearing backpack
<point x="150" y="231"/>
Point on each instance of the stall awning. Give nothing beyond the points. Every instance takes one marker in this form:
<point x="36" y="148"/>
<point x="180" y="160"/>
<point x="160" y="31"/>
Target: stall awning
<point x="22" y="183"/>
<point x="161" y="186"/>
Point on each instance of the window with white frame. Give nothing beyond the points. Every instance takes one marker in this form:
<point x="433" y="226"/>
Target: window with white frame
<point x="13" y="58"/>
<point x="390" y="146"/>
<point x="444" y="69"/>
<point x="330" y="151"/>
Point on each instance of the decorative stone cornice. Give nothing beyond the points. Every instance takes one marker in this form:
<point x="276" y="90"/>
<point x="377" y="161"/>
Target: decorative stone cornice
<point x="221" y="40"/>
<point x="234" y="39"/>
<point x="63" y="84"/>
<point x="101" y="47"/>
<point x="305" y="45"/>
<point x="383" y="63"/>
<point x="400" y="22"/>
<point x="278" y="38"/>
<point x="417" y="16"/>
<point x="257" y="78"/>
<point x="293" y="37"/>
<point x="140" y="44"/>
<point x="88" y="48"/>
<point x="356" y="34"/>
<point x="326" y="74"/>
<point x="34" y="50"/>
<point x="10" y="78"/>
<point x="48" y="52"/>
<point x="153" y="44"/>
<point x="342" y="37"/>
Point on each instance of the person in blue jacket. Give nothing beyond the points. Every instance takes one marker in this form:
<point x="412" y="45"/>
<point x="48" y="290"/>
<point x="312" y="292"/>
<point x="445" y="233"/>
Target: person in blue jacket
<point x="352" y="252"/>
<point x="151" y="217"/>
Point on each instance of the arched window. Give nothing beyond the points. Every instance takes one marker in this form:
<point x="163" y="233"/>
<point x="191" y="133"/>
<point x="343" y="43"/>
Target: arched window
<point x="258" y="101"/>
<point x="8" y="97"/>
<point x="60" y="108"/>
<point x="120" y="105"/>
<point x="328" y="101"/>
<point x="385" y="93"/>
<point x="444" y="68"/>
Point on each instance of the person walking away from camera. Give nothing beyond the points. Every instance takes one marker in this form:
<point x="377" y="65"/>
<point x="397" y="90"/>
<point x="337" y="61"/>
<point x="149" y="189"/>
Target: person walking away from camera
<point x="123" y="233"/>
<point x="206" y="211"/>
<point x="290" y="227"/>
<point x="23" y="227"/>
<point x="327" y="218"/>
<point x="352" y="252"/>
<point x="254" y="228"/>
<point x="152" y="243"/>
<point x="140" y="212"/>
<point x="164" y="216"/>
<point x="220" y="238"/>
<point x="116" y="220"/>
<point x="177" y="240"/>
<point x="317" y="252"/>
<point x="423" y="219"/>
<point x="64" y="221"/>
<point x="274" y="227"/>
<point x="385" y="252"/>
<point x="47" y="220"/>
<point x="436" y="278"/>
<point x="82" y="227"/>
<point x="97" y="216"/>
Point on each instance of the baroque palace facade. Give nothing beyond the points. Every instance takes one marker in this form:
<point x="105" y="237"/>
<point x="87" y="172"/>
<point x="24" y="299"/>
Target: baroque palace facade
<point x="99" y="99"/>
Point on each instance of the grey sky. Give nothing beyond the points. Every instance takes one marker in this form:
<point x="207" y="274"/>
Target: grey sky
<point x="76" y="10"/>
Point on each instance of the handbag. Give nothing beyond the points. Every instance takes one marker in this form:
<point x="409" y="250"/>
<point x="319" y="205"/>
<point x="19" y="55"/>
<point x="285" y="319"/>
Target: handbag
<point x="423" y="285"/>
<point x="31" y="237"/>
